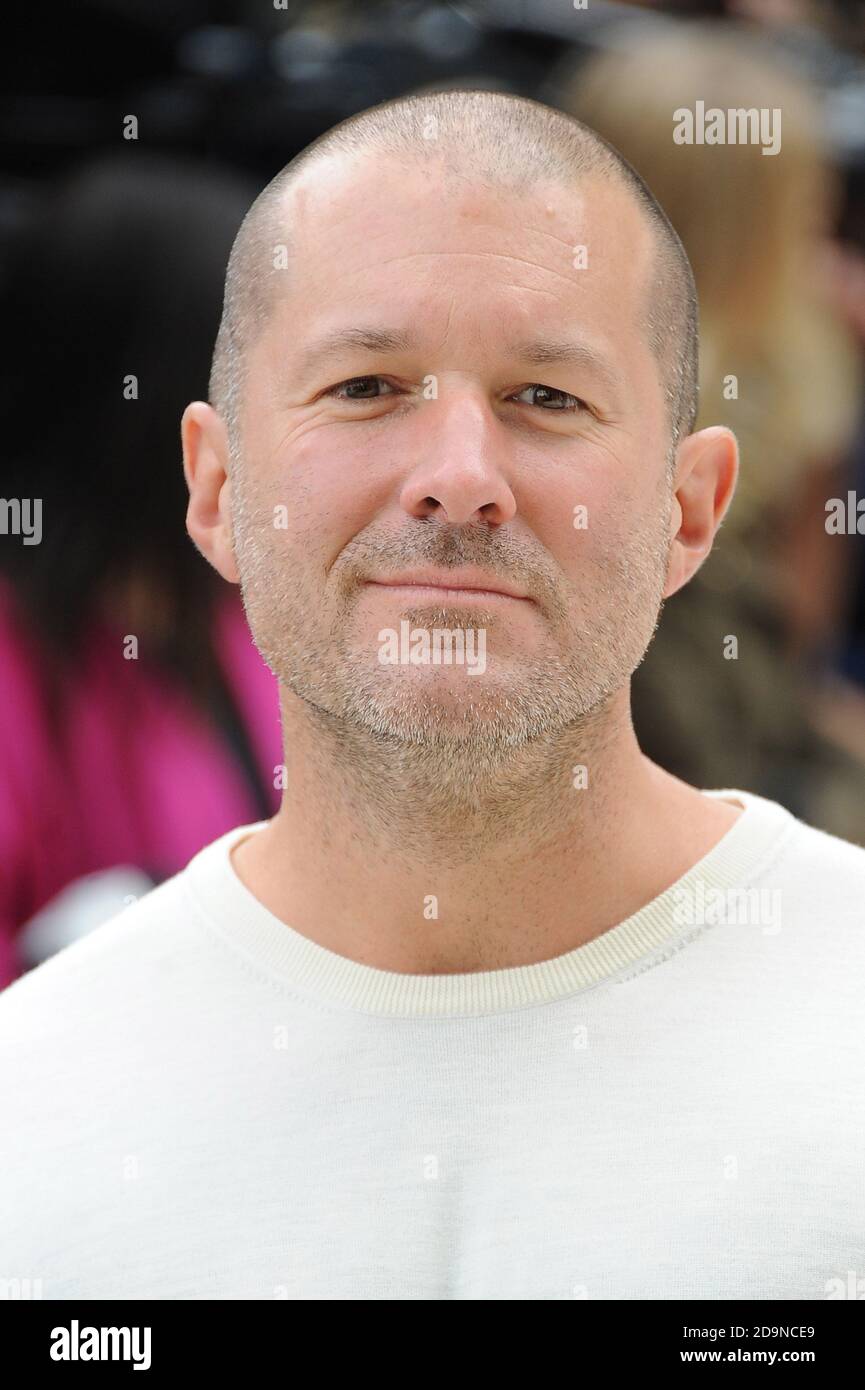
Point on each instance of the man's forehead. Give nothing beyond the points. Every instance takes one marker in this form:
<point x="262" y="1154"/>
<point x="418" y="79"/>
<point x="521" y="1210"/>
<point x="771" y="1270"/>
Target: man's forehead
<point x="355" y="220"/>
<point x="340" y="193"/>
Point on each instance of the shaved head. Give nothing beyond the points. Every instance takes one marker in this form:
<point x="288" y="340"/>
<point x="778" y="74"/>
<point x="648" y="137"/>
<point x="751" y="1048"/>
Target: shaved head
<point x="459" y="340"/>
<point x="489" y="138"/>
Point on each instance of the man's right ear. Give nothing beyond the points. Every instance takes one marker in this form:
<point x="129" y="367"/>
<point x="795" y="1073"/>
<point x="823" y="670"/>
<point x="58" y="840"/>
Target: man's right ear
<point x="205" y="467"/>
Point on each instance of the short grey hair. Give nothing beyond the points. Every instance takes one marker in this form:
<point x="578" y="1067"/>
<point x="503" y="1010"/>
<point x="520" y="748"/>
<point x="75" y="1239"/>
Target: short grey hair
<point x="502" y="140"/>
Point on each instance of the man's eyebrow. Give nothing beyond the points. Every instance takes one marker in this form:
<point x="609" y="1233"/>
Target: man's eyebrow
<point x="340" y="339"/>
<point x="540" y="351"/>
<point x="545" y="352"/>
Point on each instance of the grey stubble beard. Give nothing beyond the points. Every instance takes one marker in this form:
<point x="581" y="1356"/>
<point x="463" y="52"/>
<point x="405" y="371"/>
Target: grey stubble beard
<point x="501" y="763"/>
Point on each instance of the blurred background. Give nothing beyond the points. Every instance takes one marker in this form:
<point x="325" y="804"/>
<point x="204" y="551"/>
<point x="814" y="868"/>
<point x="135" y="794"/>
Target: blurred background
<point x="137" y="721"/>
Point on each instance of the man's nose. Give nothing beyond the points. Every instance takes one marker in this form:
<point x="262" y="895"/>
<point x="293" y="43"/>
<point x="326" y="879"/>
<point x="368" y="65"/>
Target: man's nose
<point x="461" y="452"/>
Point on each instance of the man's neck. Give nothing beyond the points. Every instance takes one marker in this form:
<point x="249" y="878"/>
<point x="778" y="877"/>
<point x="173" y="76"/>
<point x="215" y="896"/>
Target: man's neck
<point x="402" y="860"/>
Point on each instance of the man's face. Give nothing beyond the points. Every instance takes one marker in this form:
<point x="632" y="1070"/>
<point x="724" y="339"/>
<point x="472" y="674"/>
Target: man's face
<point x="454" y="454"/>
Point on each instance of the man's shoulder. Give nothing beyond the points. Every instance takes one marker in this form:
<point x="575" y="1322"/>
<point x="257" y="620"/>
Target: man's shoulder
<point x="817" y="852"/>
<point x="819" y="880"/>
<point x="99" y="974"/>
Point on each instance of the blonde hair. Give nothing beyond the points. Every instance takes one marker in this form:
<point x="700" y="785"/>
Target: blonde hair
<point x="749" y="223"/>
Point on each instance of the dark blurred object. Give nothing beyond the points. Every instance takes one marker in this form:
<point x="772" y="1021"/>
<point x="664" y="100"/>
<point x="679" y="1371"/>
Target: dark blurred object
<point x="118" y="274"/>
<point x="140" y="723"/>
<point x="238" y="82"/>
<point x="843" y="21"/>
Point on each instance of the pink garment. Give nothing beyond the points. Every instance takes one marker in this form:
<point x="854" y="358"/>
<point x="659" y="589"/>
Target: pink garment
<point x="142" y="778"/>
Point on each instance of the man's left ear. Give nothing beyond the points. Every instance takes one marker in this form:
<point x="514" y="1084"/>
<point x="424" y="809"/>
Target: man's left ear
<point x="205" y="466"/>
<point x="707" y="464"/>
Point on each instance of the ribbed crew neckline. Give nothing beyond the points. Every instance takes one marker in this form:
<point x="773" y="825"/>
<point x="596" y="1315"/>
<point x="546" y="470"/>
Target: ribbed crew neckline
<point x="228" y="908"/>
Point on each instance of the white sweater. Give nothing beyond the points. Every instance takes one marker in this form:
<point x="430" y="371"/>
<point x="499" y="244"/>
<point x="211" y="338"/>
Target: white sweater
<point x="196" y="1101"/>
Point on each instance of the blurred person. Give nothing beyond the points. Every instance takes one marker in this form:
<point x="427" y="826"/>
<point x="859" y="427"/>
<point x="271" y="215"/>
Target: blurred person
<point x="840" y="707"/>
<point x="777" y="367"/>
<point x="138" y="719"/>
<point x="840" y="21"/>
<point x="485" y="1009"/>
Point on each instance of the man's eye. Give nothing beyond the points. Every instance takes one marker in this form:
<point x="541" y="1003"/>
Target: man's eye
<point x="549" y="397"/>
<point x="357" y="388"/>
<point x="369" y="388"/>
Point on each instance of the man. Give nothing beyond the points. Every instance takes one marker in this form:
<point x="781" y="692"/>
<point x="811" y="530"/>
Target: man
<point x="493" y="1008"/>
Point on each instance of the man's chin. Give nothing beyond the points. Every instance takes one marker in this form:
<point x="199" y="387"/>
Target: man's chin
<point x="472" y="715"/>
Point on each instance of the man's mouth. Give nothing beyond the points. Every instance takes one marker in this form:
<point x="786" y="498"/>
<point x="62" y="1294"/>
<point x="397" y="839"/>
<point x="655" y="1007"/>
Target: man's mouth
<point x="462" y="586"/>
